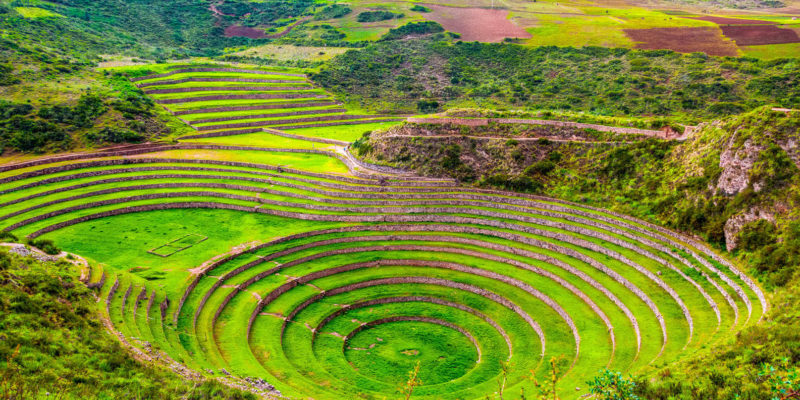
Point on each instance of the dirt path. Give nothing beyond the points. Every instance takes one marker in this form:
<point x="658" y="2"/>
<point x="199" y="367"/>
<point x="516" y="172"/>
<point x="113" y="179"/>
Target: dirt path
<point x="662" y="134"/>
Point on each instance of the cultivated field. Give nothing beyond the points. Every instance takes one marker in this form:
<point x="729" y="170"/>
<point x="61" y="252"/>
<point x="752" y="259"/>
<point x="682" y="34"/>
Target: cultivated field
<point x="251" y="251"/>
<point x="574" y="23"/>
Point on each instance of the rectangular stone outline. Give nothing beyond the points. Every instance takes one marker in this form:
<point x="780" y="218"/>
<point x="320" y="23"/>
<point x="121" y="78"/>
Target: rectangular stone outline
<point x="153" y="250"/>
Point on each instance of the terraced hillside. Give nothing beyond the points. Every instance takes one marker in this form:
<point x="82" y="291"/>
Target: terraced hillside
<point x="284" y="262"/>
<point x="221" y="101"/>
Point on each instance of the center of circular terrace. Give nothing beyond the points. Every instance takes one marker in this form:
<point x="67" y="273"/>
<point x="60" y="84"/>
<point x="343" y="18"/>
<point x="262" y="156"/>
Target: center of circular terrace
<point x="389" y="351"/>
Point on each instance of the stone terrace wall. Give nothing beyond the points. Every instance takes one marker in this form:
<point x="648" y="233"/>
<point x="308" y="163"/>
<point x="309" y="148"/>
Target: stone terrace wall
<point x="256" y="107"/>
<point x="241" y="97"/>
<point x="273" y="115"/>
<point x="183" y="70"/>
<point x="202" y="79"/>
<point x="228" y="89"/>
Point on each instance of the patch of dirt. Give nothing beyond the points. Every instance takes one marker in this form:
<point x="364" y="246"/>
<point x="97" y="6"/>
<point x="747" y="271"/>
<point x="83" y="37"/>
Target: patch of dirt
<point x="411" y="352"/>
<point x="732" y="21"/>
<point x="251" y="33"/>
<point x="684" y="40"/>
<point x="748" y="35"/>
<point x="258" y="33"/>
<point x="476" y="24"/>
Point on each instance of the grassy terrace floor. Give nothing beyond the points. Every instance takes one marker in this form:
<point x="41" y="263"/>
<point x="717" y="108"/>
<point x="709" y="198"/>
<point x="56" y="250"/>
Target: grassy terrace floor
<point x="332" y="282"/>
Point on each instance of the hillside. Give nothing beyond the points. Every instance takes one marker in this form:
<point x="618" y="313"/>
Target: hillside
<point x="407" y="75"/>
<point x="55" y="345"/>
<point x="447" y="200"/>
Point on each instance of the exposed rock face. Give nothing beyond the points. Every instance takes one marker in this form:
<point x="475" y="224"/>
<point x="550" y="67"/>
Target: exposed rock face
<point x="736" y="164"/>
<point x="735" y="223"/>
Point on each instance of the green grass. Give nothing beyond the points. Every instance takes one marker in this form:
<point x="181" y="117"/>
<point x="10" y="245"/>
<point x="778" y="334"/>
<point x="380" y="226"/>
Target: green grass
<point x="347" y="133"/>
<point x="262" y="139"/>
<point x="35" y="12"/>
<point x="772" y="51"/>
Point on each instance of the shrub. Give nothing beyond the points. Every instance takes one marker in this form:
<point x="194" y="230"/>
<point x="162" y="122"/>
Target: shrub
<point x="427" y="106"/>
<point x="7" y="236"/>
<point x="618" y="163"/>
<point x="542" y="167"/>
<point x="521" y="183"/>
<point x="31" y="135"/>
<point x="375" y="16"/>
<point x="413" y="29"/>
<point x="612" y="386"/>
<point x="114" y="135"/>
<point x="757" y="234"/>
<point x="333" y="11"/>
<point x="45" y="245"/>
<point x="452" y="157"/>
<point x="419" y="8"/>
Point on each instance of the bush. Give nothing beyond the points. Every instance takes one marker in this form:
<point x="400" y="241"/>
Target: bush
<point x="419" y="8"/>
<point x="25" y="134"/>
<point x="413" y="29"/>
<point x="427" y="106"/>
<point x="452" y="157"/>
<point x="757" y="234"/>
<point x="45" y="245"/>
<point x="7" y="236"/>
<point x="375" y="16"/>
<point x="521" y="183"/>
<point x="543" y="168"/>
<point x="114" y="135"/>
<point x="333" y="11"/>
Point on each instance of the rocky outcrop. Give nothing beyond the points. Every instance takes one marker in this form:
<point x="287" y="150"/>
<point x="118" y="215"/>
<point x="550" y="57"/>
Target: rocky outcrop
<point x="736" y="163"/>
<point x="735" y="223"/>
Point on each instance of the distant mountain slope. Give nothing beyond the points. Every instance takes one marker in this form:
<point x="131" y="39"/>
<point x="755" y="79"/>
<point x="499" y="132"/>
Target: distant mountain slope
<point x="398" y="74"/>
<point x="159" y="27"/>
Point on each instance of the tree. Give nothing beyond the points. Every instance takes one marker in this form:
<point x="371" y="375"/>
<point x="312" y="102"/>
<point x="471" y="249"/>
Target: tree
<point x="610" y="385"/>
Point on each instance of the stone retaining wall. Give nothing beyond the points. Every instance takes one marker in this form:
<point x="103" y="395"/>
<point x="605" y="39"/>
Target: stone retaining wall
<point x="241" y="97"/>
<point x="230" y="89"/>
<point x="150" y="302"/>
<point x="125" y="298"/>
<point x="412" y="210"/>
<point x="369" y="166"/>
<point x="321" y="125"/>
<point x="273" y="115"/>
<point x="184" y="70"/>
<point x="163" y="307"/>
<point x="202" y="79"/>
<point x="337" y="117"/>
<point x="398" y="299"/>
<point x="98" y="284"/>
<point x="366" y="179"/>
<point x="406" y="318"/>
<point x="307" y="138"/>
<point x="427" y="281"/>
<point x="268" y="106"/>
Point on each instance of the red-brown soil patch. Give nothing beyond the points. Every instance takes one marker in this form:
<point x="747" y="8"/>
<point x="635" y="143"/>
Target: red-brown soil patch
<point x="748" y="35"/>
<point x="685" y="40"/>
<point x="732" y="21"/>
<point x="252" y="33"/>
<point x="476" y="24"/>
<point x="255" y="33"/>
